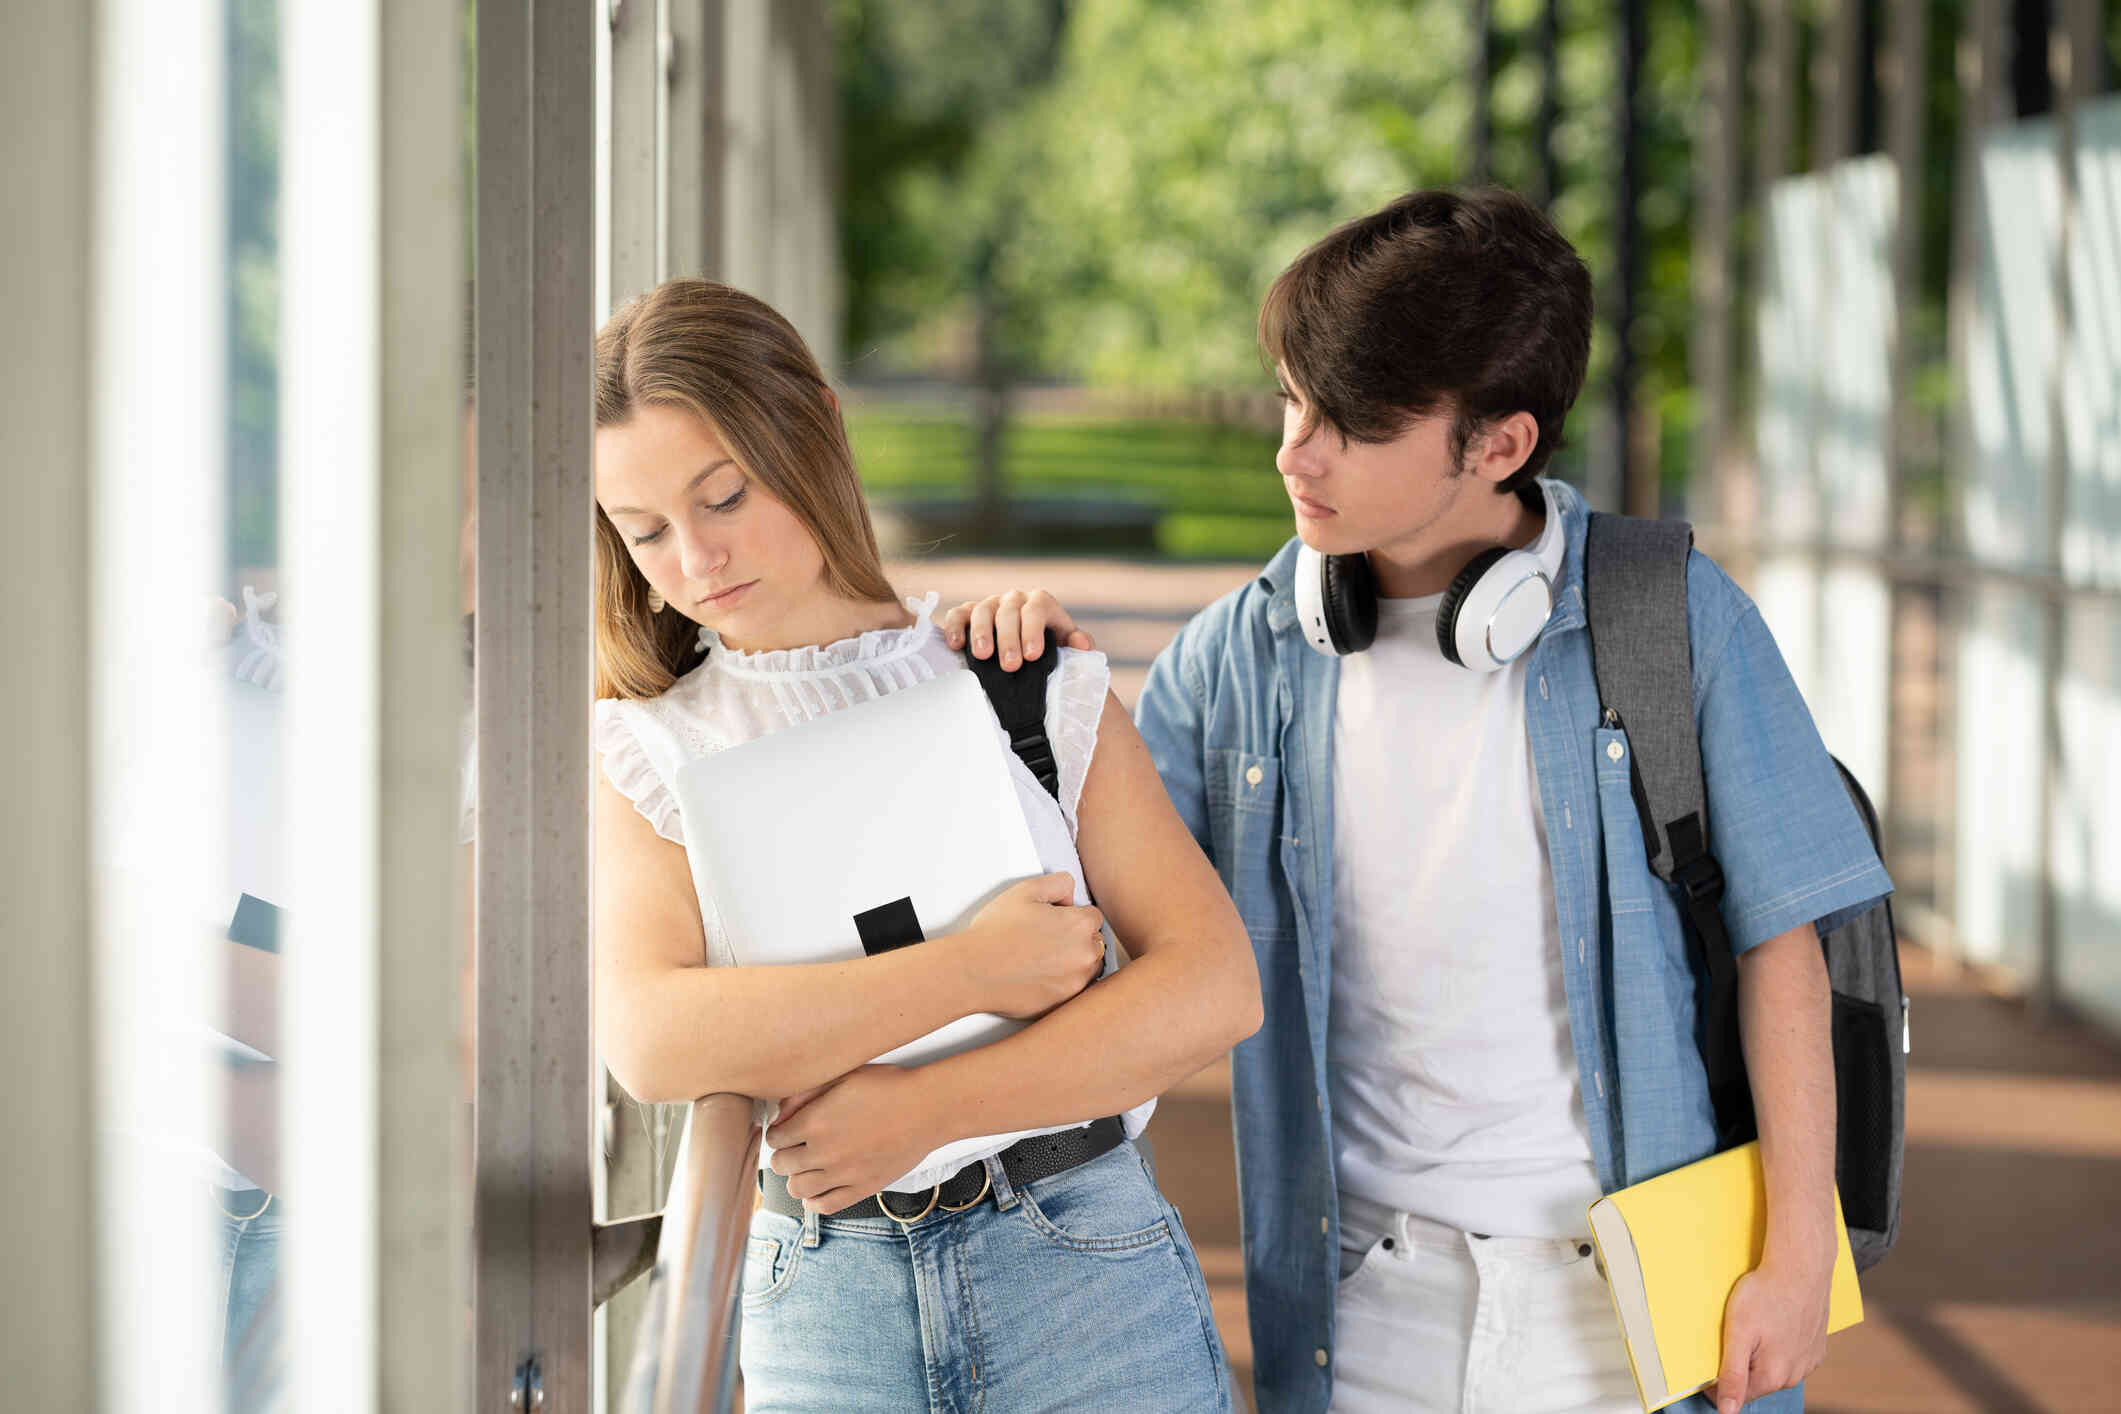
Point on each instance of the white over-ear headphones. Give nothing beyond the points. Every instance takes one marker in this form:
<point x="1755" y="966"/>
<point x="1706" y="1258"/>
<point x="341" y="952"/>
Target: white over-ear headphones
<point x="1492" y="612"/>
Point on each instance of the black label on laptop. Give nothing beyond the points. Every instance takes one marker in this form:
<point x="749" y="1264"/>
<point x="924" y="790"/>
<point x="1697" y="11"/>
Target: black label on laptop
<point x="888" y="926"/>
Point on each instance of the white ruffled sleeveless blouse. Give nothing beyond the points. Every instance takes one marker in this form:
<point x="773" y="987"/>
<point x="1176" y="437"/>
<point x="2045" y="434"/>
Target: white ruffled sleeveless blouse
<point x="735" y="697"/>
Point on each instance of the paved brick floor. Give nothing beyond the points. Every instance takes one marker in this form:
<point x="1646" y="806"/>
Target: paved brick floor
<point x="2004" y="1294"/>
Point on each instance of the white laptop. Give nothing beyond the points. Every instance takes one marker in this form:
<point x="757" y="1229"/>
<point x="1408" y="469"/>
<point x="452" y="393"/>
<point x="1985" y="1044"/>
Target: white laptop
<point x="869" y="828"/>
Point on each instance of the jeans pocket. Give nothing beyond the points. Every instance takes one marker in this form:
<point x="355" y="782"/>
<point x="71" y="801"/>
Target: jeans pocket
<point x="1365" y="1271"/>
<point x="770" y="1265"/>
<point x="1105" y="1205"/>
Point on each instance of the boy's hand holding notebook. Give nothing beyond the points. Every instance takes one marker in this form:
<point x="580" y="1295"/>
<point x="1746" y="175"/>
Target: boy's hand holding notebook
<point x="1674" y="1247"/>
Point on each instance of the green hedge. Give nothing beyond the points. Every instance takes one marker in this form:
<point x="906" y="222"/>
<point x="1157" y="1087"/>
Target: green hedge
<point x="1217" y="486"/>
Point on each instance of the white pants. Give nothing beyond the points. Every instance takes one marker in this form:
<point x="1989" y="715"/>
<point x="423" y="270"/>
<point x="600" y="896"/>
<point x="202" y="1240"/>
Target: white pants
<point x="1434" y="1319"/>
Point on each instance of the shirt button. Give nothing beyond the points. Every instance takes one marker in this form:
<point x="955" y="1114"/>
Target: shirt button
<point x="1320" y="1356"/>
<point x="1613" y="751"/>
<point x="1254" y="776"/>
<point x="1321" y="1227"/>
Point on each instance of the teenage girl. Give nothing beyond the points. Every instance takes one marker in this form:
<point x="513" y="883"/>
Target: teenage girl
<point x="1034" y="1265"/>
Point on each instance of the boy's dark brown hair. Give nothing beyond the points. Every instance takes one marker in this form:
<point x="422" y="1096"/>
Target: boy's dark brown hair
<point x="1467" y="302"/>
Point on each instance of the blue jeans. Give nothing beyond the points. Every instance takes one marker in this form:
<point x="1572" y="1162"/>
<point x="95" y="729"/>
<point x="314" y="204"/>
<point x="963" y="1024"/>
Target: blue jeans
<point x="1078" y="1292"/>
<point x="252" y="1363"/>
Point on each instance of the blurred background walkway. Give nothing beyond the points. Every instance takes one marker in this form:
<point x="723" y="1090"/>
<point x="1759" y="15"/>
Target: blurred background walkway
<point x="2004" y="1293"/>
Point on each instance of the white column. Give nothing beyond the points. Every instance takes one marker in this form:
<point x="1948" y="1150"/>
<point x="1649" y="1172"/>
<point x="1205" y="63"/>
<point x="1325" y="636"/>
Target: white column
<point x="160" y="819"/>
<point x="372" y="295"/>
<point x="423" y="1170"/>
<point x="331" y="403"/>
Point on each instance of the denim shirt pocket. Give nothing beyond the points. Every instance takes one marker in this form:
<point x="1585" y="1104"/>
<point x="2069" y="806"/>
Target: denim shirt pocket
<point x="1244" y="814"/>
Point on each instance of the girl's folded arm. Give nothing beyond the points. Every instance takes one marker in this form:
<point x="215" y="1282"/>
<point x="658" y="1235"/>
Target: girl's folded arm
<point x="1189" y="995"/>
<point x="672" y="1028"/>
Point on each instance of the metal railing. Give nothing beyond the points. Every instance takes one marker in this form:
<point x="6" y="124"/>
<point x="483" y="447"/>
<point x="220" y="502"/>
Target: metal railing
<point x="684" y="1359"/>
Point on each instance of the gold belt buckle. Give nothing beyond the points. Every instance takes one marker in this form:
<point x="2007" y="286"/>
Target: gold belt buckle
<point x="986" y="1181"/>
<point x="933" y="1197"/>
<point x="935" y="1200"/>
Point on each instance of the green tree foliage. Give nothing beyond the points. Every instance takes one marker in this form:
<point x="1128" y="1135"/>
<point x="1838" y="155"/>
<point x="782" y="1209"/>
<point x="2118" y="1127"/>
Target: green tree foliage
<point x="934" y="102"/>
<point x="1171" y="158"/>
<point x="1181" y="155"/>
<point x="1192" y="150"/>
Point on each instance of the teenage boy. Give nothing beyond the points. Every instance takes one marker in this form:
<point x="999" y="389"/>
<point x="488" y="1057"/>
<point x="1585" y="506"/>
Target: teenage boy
<point x="1480" y="1005"/>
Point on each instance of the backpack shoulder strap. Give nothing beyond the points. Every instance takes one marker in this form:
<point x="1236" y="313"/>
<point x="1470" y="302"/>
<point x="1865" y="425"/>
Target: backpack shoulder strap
<point x="1635" y="596"/>
<point x="1019" y="702"/>
<point x="1634" y="575"/>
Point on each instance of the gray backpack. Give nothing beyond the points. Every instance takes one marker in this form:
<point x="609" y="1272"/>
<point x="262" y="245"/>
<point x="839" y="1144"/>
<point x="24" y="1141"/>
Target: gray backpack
<point x="1635" y="593"/>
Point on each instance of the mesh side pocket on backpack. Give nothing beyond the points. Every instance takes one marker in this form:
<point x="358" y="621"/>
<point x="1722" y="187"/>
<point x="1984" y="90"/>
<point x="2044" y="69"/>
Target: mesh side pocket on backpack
<point x="1863" y="1094"/>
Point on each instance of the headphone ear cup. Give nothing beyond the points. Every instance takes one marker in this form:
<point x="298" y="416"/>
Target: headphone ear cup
<point x="1350" y="597"/>
<point x="1454" y="598"/>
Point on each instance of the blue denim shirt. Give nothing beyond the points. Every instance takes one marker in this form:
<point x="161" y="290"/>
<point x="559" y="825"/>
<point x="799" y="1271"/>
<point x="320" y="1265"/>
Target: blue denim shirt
<point x="1238" y="714"/>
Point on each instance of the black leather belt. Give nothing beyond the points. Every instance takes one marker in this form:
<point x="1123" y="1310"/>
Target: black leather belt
<point x="1025" y="1161"/>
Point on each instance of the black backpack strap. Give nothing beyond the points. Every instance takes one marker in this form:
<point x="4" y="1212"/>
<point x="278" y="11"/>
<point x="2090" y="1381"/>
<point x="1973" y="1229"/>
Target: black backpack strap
<point x="1635" y="598"/>
<point x="1019" y="701"/>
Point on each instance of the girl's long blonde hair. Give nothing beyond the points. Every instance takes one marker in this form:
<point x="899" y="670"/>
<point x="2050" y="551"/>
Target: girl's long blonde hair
<point x="737" y="365"/>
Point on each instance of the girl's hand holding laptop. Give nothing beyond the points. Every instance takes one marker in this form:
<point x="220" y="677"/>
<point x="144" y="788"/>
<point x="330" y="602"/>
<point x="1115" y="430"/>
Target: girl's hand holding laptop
<point x="841" y="1142"/>
<point x="1030" y="949"/>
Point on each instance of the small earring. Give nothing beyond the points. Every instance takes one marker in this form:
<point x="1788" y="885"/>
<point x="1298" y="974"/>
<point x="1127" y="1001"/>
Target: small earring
<point x="656" y="604"/>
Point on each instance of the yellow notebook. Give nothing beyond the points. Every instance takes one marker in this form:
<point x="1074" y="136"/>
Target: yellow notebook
<point x="1674" y="1246"/>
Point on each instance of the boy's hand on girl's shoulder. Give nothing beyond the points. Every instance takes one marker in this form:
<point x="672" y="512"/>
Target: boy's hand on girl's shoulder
<point x="1014" y="623"/>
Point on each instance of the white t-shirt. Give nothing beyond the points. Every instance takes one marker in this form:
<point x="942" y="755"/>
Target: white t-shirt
<point x="734" y="697"/>
<point x="1453" y="1078"/>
